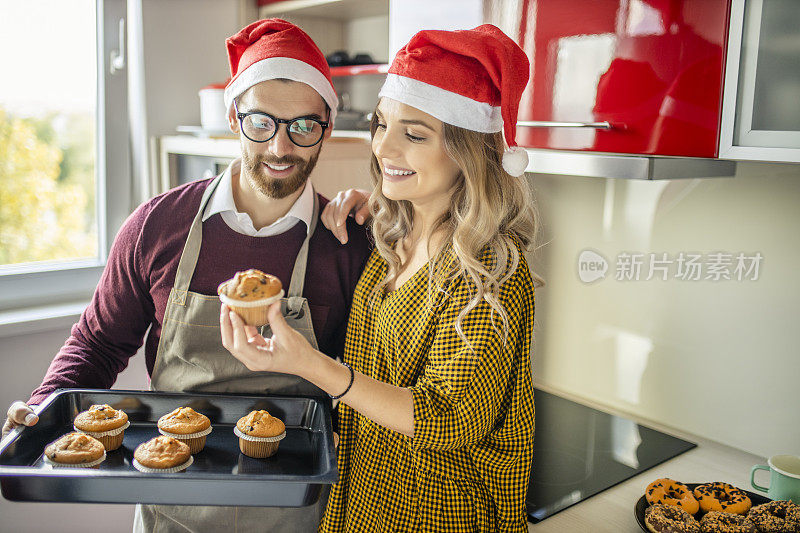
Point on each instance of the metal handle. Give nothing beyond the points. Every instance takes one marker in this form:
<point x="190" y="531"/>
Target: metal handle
<point x="549" y="124"/>
<point x="118" y="56"/>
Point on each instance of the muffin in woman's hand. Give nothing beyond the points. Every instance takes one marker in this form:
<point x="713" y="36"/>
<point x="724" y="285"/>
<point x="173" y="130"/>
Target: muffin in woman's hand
<point x="104" y="423"/>
<point x="250" y="293"/>
<point x="163" y="455"/>
<point x="259" y="434"/>
<point x="75" y="449"/>
<point x="186" y="425"/>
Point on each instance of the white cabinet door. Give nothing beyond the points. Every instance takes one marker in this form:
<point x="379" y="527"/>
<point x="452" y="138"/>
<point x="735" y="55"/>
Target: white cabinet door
<point x="761" y="103"/>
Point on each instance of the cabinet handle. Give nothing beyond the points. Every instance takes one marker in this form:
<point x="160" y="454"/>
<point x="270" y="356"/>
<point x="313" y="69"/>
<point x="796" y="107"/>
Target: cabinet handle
<point x="549" y="124"/>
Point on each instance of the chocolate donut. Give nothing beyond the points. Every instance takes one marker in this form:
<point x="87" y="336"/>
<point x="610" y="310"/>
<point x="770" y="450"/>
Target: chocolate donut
<point x="660" y="518"/>
<point x="719" y="496"/>
<point x="719" y="522"/>
<point x="780" y="516"/>
<point x="671" y="492"/>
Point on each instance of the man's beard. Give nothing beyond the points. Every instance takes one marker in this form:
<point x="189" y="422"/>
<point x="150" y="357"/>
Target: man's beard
<point x="276" y="187"/>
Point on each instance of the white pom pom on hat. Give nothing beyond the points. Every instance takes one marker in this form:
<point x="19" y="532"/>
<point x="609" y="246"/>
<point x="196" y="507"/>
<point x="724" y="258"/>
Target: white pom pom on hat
<point x="515" y="161"/>
<point x="473" y="79"/>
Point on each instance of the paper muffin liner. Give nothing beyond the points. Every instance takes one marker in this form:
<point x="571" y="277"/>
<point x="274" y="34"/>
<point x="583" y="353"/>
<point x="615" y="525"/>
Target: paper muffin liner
<point x="141" y="468"/>
<point x="91" y="464"/>
<point x="253" y="312"/>
<point x="196" y="441"/>
<point x="111" y="439"/>
<point x="258" y="447"/>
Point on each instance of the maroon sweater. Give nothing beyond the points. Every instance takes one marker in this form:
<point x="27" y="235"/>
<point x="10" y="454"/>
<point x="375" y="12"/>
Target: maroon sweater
<point x="133" y="290"/>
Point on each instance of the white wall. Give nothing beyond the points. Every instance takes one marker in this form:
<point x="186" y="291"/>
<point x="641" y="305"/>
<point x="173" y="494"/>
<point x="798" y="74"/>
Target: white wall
<point x="184" y="50"/>
<point x="176" y="48"/>
<point x="715" y="358"/>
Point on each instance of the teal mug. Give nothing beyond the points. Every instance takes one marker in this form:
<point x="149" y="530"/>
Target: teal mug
<point x="784" y="481"/>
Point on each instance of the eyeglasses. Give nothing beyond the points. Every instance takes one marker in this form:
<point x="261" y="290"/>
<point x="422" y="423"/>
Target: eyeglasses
<point x="261" y="127"/>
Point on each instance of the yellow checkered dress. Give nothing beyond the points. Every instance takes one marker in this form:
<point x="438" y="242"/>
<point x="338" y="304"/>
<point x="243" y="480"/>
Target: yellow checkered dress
<point x="468" y="464"/>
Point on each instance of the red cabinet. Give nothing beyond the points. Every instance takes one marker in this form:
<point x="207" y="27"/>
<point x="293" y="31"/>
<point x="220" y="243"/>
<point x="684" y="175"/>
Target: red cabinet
<point x="628" y="76"/>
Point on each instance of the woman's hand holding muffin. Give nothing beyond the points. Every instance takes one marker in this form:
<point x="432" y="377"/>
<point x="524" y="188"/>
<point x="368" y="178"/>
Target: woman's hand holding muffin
<point x="287" y="351"/>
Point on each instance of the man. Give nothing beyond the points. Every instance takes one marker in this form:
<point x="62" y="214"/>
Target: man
<point x="174" y="250"/>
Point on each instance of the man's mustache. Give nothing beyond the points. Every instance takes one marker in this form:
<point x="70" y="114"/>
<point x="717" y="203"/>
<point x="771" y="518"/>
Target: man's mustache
<point x="287" y="160"/>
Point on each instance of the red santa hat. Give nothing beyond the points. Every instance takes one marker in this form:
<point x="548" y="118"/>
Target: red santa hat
<point x="273" y="48"/>
<point x="472" y="79"/>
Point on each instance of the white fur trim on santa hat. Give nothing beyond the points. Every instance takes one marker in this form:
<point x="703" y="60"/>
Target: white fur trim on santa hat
<point x="283" y="67"/>
<point x="447" y="106"/>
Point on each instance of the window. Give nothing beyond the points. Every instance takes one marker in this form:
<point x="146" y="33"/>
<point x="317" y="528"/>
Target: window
<point x="64" y="156"/>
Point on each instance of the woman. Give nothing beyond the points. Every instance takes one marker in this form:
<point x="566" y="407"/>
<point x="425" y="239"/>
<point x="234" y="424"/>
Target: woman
<point x="437" y="416"/>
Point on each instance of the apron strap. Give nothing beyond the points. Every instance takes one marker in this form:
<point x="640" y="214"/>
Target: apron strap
<point x="191" y="250"/>
<point x="295" y="293"/>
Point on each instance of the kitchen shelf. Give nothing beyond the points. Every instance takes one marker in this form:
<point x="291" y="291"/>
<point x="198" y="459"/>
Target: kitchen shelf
<point x="220" y="150"/>
<point x="333" y="9"/>
<point x="359" y="70"/>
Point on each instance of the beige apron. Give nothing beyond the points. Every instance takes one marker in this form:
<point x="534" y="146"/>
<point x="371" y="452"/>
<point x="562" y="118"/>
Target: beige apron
<point x="190" y="357"/>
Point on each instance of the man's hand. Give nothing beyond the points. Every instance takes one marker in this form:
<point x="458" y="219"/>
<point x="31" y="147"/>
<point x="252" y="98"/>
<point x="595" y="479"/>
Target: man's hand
<point x="19" y="414"/>
<point x="351" y="201"/>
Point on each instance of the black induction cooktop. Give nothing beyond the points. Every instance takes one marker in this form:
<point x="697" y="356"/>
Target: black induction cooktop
<point x="579" y="451"/>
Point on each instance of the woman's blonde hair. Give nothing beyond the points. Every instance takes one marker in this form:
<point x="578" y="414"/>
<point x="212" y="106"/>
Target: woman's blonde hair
<point x="489" y="208"/>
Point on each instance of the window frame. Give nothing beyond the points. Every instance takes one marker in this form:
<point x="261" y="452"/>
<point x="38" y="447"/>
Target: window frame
<point x="27" y="285"/>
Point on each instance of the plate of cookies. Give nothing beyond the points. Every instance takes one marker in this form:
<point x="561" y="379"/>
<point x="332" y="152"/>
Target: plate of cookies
<point x="716" y="507"/>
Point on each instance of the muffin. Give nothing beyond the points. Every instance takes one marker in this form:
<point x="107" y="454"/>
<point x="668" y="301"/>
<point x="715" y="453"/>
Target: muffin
<point x="77" y="450"/>
<point x="104" y="423"/>
<point x="250" y="293"/>
<point x="186" y="425"/>
<point x="259" y="434"/>
<point x="162" y="454"/>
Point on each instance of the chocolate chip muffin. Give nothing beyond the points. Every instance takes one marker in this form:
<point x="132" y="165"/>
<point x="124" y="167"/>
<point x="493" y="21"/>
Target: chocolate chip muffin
<point x="250" y="293"/>
<point x="162" y="454"/>
<point x="75" y="449"/>
<point x="186" y="425"/>
<point x="259" y="434"/>
<point x="104" y="423"/>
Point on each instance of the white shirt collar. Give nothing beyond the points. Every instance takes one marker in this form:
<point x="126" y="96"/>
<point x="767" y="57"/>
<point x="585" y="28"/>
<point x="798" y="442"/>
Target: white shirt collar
<point x="221" y="201"/>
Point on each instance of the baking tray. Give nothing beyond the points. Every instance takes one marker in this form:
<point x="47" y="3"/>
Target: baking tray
<point x="220" y="474"/>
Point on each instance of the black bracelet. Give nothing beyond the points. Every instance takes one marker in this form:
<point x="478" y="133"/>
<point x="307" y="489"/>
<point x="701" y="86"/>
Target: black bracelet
<point x="352" y="379"/>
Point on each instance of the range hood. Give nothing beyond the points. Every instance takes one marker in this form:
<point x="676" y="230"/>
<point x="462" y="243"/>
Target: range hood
<point x="602" y="165"/>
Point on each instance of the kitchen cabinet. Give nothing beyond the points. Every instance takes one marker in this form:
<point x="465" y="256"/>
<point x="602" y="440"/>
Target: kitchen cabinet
<point x="608" y="77"/>
<point x="761" y="106"/>
<point x="621" y="76"/>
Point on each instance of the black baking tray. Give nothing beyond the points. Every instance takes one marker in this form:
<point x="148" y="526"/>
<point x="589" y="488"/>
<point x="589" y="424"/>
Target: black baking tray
<point x="220" y="474"/>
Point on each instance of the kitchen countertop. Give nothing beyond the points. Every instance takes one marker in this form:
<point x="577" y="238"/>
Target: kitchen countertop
<point x="611" y="511"/>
